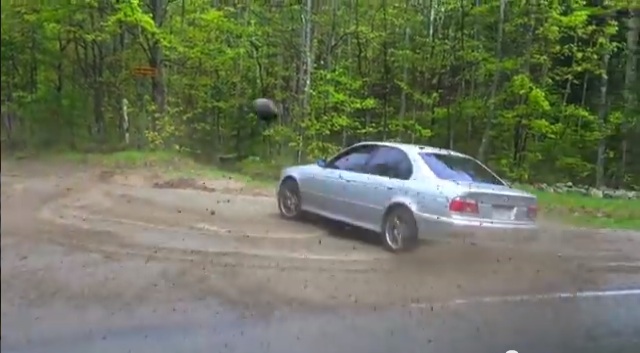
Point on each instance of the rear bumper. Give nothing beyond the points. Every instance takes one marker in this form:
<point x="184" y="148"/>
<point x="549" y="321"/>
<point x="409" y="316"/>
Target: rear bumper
<point x="443" y="228"/>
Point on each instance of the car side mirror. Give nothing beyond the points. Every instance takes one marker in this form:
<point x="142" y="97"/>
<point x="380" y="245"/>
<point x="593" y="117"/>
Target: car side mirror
<point x="321" y="163"/>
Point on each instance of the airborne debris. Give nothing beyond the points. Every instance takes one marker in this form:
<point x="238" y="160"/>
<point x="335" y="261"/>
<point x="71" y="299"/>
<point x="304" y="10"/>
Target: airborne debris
<point x="266" y="110"/>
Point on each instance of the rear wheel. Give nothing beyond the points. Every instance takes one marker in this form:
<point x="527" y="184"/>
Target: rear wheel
<point x="399" y="229"/>
<point x="289" y="201"/>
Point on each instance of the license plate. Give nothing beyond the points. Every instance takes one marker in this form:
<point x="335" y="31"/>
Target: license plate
<point x="503" y="213"/>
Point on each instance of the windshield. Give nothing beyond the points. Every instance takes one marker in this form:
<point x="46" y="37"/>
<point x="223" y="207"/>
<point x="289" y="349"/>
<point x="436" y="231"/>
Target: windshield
<point x="459" y="168"/>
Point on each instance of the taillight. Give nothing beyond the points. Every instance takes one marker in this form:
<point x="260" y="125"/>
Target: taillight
<point x="532" y="211"/>
<point x="462" y="205"/>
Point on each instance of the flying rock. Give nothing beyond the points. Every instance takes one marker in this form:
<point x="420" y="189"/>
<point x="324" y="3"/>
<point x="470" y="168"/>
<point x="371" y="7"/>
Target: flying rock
<point x="266" y="110"/>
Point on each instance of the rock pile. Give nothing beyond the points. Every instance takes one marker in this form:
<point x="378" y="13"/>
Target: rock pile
<point x="569" y="188"/>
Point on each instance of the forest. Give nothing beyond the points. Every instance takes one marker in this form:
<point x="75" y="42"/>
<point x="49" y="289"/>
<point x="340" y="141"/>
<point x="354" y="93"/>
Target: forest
<point x="540" y="90"/>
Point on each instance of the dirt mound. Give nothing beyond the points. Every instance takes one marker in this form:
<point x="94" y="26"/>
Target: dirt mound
<point x="184" y="183"/>
<point x="129" y="179"/>
<point x="137" y="178"/>
<point x="227" y="186"/>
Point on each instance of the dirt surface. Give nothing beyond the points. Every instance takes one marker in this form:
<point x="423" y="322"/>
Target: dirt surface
<point x="113" y="242"/>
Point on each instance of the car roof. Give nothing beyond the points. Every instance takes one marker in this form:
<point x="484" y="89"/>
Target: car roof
<point x="411" y="148"/>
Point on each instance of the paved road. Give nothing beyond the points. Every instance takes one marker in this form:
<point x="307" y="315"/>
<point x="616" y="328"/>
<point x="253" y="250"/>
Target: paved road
<point x="105" y="262"/>
<point x="603" y="324"/>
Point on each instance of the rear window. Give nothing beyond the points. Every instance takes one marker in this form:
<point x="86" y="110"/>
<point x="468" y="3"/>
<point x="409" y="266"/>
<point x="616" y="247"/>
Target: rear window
<point x="459" y="168"/>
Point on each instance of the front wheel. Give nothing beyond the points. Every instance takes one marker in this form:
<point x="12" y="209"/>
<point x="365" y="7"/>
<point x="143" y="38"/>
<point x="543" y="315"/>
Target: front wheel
<point x="399" y="229"/>
<point x="289" y="201"/>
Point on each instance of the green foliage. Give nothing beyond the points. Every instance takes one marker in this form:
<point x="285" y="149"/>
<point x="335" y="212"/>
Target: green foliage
<point x="416" y="71"/>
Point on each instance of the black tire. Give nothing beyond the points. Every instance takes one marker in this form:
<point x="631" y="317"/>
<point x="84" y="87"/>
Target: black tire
<point x="289" y="200"/>
<point x="404" y="239"/>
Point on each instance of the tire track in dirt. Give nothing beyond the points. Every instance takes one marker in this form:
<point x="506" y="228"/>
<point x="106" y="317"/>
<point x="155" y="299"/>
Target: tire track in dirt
<point x="91" y="211"/>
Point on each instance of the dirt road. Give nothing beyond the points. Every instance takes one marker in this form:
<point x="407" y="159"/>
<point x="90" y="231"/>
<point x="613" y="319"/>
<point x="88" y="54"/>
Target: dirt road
<point x="86" y="249"/>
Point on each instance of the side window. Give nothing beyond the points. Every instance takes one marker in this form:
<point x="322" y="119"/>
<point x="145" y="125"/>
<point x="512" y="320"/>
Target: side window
<point x="390" y="162"/>
<point x="353" y="159"/>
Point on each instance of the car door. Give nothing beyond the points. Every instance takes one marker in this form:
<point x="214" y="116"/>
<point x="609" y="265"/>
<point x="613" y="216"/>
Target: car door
<point x="332" y="185"/>
<point x="387" y="171"/>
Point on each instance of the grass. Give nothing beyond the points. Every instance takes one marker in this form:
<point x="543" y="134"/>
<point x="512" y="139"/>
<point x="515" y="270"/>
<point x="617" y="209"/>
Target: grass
<point x="588" y="211"/>
<point x="567" y="208"/>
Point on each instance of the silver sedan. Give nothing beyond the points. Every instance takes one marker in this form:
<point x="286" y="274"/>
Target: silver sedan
<point x="405" y="192"/>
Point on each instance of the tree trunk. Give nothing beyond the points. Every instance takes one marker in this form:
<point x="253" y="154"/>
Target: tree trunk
<point x="486" y="136"/>
<point x="405" y="79"/>
<point x="630" y="85"/>
<point x="156" y="60"/>
<point x="520" y="129"/>
<point x="603" y="110"/>
<point x="307" y="67"/>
